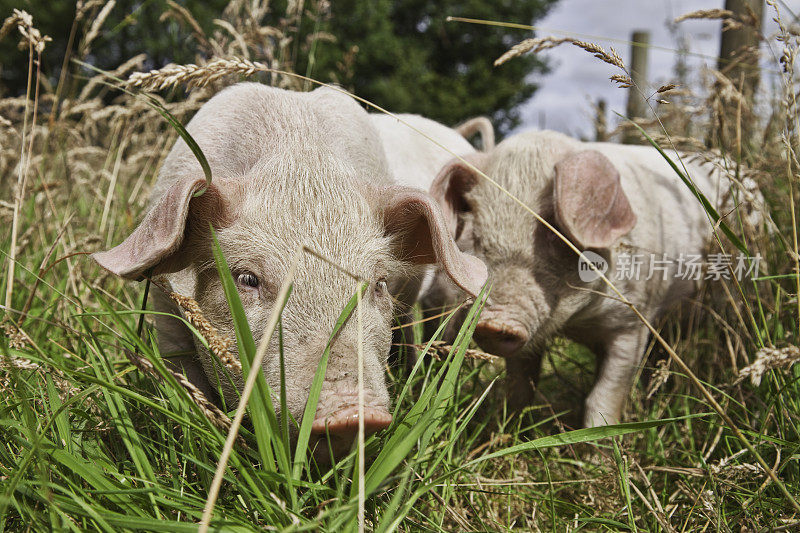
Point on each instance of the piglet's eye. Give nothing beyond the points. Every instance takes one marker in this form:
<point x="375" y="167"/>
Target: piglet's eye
<point x="247" y="279"/>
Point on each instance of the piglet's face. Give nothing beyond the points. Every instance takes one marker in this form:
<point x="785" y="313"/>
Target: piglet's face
<point x="535" y="283"/>
<point x="356" y="234"/>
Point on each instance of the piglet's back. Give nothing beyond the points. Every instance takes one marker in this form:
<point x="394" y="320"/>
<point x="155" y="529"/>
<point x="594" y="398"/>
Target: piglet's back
<point x="247" y="124"/>
<point x="670" y="218"/>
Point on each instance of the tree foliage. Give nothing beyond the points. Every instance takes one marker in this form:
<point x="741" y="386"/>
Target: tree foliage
<point x="132" y="27"/>
<point x="405" y="56"/>
<point x="401" y="54"/>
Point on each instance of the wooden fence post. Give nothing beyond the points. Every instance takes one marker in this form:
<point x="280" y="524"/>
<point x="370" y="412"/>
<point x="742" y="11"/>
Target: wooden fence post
<point x="637" y="105"/>
<point x="738" y="61"/>
<point x="600" y="121"/>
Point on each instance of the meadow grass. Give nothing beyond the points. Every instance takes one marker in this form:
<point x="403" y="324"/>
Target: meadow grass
<point x="97" y="434"/>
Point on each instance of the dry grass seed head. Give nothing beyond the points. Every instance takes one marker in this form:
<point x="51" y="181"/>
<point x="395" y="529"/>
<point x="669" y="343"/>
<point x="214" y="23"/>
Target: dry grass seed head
<point x="94" y="29"/>
<point x="82" y="7"/>
<point x="531" y="45"/>
<point x="714" y="14"/>
<point x="23" y="21"/>
<point x="543" y="43"/>
<point x="440" y="350"/>
<point x="193" y="75"/>
<point x="612" y="57"/>
<point x="622" y="80"/>
<point x="659" y="377"/>
<point x="17" y="339"/>
<point x="219" y="345"/>
<point x="732" y="472"/>
<point x="769" y="359"/>
<point x="730" y="20"/>
<point x="178" y="11"/>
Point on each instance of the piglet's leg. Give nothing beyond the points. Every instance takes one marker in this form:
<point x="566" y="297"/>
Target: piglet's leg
<point x="173" y="335"/>
<point x="522" y="376"/>
<point x="623" y="353"/>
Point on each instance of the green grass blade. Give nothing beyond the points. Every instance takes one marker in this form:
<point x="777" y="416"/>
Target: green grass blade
<point x="421" y="418"/>
<point x="581" y="435"/>
<point x="420" y="360"/>
<point x="262" y="412"/>
<point x="316" y="385"/>
<point x="285" y="417"/>
<point x="60" y="413"/>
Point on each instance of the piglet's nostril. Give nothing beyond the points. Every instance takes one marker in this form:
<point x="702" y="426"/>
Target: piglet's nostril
<point x="501" y="337"/>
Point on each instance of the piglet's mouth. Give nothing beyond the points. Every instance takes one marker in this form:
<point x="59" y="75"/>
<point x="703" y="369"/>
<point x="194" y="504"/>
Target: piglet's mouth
<point x="345" y="421"/>
<point x="336" y="433"/>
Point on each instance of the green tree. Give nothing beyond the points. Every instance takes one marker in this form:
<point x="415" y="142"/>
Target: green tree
<point x="405" y="56"/>
<point x="132" y="27"/>
<point x="400" y="54"/>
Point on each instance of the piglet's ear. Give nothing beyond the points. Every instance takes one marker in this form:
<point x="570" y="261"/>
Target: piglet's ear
<point x="450" y="185"/>
<point x="414" y="219"/>
<point x="590" y="203"/>
<point x="155" y="243"/>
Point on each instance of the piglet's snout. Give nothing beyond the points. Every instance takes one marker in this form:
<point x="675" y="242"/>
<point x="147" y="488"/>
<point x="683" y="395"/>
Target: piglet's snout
<point x="341" y="429"/>
<point x="344" y="423"/>
<point x="501" y="336"/>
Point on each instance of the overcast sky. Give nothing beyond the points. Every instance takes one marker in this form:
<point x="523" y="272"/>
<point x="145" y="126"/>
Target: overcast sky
<point x="563" y="101"/>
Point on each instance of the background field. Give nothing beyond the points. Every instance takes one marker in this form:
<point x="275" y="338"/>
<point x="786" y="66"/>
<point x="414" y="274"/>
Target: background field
<point x="95" y="434"/>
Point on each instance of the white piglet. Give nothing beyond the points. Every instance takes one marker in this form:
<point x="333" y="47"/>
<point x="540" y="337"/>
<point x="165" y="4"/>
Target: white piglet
<point x="291" y="169"/>
<point x="616" y="202"/>
<point x="417" y="147"/>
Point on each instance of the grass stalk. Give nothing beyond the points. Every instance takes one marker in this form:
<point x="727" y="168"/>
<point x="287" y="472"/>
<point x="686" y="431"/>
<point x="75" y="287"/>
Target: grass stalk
<point x="255" y="372"/>
<point x="20" y="191"/>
